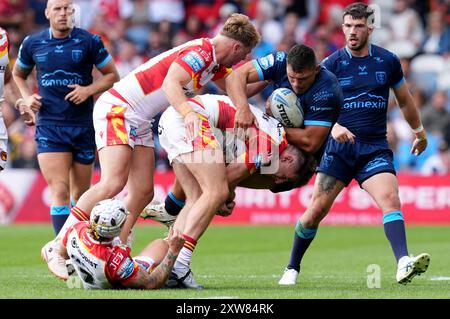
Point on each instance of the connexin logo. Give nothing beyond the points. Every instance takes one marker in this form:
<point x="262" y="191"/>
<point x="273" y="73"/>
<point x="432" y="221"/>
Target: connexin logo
<point x="360" y="101"/>
<point x="61" y="78"/>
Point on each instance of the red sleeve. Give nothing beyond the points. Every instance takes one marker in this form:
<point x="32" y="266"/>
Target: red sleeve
<point x="258" y="150"/>
<point x="121" y="268"/>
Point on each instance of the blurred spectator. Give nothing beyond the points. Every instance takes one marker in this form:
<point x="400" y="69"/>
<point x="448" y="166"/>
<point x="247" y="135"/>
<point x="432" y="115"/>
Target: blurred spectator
<point x="225" y="11"/>
<point x="306" y="12"/>
<point x="437" y="38"/>
<point x="139" y="24"/>
<point x="439" y="163"/>
<point x="37" y="14"/>
<point x="193" y="28"/>
<point x="13" y="14"/>
<point x="155" y="45"/>
<point x="166" y="10"/>
<point x="406" y="31"/>
<point x="128" y="58"/>
<point x="435" y="116"/>
<point x="270" y="29"/>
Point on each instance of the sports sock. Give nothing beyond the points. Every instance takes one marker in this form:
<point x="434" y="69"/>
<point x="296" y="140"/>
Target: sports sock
<point x="183" y="261"/>
<point x="302" y="239"/>
<point x="173" y="205"/>
<point x="394" y="228"/>
<point x="76" y="215"/>
<point x="59" y="216"/>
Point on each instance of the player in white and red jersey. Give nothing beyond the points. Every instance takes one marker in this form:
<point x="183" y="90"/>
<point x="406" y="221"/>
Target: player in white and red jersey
<point x="101" y="265"/>
<point x="17" y="101"/>
<point x="123" y="115"/>
<point x="209" y="178"/>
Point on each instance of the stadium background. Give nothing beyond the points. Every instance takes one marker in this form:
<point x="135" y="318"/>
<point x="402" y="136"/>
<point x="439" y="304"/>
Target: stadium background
<point x="134" y="31"/>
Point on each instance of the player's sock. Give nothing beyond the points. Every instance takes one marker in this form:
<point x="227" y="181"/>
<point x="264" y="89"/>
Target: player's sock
<point x="59" y="216"/>
<point x="173" y="205"/>
<point x="183" y="261"/>
<point x="302" y="239"/>
<point x="76" y="215"/>
<point x="394" y="228"/>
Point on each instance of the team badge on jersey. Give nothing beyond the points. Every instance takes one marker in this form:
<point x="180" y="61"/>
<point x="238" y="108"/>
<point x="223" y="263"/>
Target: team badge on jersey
<point x="380" y="77"/>
<point x="266" y="62"/>
<point x="77" y="55"/>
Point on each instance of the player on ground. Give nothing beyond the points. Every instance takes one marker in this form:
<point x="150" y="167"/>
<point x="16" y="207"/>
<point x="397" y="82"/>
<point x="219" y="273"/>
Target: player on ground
<point x="317" y="88"/>
<point x="366" y="73"/>
<point x="102" y="265"/>
<point x="64" y="57"/>
<point x="6" y="81"/>
<point x="200" y="166"/>
<point x="123" y="115"/>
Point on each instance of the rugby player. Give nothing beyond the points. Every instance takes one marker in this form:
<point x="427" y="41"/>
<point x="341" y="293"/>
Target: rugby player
<point x="360" y="150"/>
<point x="102" y="265"/>
<point x="200" y="166"/>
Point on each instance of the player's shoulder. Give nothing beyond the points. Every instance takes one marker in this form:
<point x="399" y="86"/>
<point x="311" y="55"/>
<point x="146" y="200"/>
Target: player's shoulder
<point x="336" y="57"/>
<point x="381" y="53"/>
<point x="326" y="79"/>
<point x="86" y="35"/>
<point x="39" y="37"/>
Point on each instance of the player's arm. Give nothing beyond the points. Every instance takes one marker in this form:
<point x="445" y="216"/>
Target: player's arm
<point x="412" y="116"/>
<point x="236" y="86"/>
<point x="251" y="88"/>
<point x="308" y="139"/>
<point x="159" y="276"/>
<point x="15" y="98"/>
<point x="80" y="94"/>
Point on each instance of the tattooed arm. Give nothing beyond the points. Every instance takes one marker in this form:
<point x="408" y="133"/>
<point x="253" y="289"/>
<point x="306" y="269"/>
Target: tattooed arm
<point x="158" y="277"/>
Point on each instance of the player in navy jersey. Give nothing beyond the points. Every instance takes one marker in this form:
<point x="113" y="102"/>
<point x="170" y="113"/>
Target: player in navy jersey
<point x="321" y="99"/>
<point x="360" y="150"/>
<point x="64" y="57"/>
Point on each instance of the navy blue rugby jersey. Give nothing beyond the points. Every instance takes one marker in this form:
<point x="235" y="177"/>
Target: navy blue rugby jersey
<point x="365" y="83"/>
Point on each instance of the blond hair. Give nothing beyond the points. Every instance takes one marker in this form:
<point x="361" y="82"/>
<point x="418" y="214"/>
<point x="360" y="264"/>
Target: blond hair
<point x="240" y="28"/>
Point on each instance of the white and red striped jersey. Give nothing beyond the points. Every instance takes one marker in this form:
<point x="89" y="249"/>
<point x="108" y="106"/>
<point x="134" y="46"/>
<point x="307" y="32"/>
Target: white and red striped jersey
<point x="141" y="89"/>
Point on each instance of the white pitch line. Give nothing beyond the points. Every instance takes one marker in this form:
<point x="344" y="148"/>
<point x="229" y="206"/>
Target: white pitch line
<point x="440" y="278"/>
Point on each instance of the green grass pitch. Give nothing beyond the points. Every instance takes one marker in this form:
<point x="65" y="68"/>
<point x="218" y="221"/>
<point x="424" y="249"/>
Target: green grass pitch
<point x="246" y="262"/>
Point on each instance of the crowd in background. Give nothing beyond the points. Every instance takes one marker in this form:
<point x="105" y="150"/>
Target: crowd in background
<point x="135" y="31"/>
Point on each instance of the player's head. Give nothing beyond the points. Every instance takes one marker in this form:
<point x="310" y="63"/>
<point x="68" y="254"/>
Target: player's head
<point x="107" y="219"/>
<point x="357" y="25"/>
<point x="301" y="68"/>
<point x="241" y="36"/>
<point x="290" y="163"/>
<point x="60" y="13"/>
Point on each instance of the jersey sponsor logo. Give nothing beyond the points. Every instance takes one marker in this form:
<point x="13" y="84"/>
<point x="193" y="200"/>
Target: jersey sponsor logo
<point x="322" y="95"/>
<point x="345" y="62"/>
<point x="41" y="57"/>
<point x="133" y="133"/>
<point x="346" y="81"/>
<point x="280" y="56"/>
<point x="86" y="259"/>
<point x="375" y="163"/>
<point x="61" y="78"/>
<point x="194" y="61"/>
<point x="318" y="109"/>
<point x="380" y="76"/>
<point x="126" y="269"/>
<point x="378" y="59"/>
<point x="365" y="100"/>
<point x="77" y="55"/>
<point x="362" y="69"/>
<point x="59" y="49"/>
<point x="266" y="62"/>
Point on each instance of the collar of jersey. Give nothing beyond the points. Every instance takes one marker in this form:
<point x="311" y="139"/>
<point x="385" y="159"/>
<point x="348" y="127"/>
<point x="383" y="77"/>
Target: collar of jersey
<point x="50" y="35"/>
<point x="351" y="56"/>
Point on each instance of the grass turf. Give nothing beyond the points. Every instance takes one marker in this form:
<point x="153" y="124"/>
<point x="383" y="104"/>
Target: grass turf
<point x="246" y="262"/>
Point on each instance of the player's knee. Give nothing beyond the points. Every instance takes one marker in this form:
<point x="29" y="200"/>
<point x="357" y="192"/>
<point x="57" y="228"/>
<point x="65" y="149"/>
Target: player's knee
<point x="314" y="215"/>
<point x="112" y="187"/>
<point x="390" y="201"/>
<point x="219" y="195"/>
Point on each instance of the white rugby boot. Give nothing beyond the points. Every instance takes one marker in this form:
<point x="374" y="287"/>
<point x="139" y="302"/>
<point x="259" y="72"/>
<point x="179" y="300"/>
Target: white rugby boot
<point x="55" y="261"/>
<point x="289" y="277"/>
<point x="157" y="211"/>
<point x="409" y="267"/>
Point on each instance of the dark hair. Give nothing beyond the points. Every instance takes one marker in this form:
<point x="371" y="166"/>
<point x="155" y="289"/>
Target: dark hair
<point x="301" y="57"/>
<point x="358" y="10"/>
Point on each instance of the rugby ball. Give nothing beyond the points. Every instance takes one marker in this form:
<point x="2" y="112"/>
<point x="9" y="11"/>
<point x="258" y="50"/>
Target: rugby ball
<point x="286" y="107"/>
